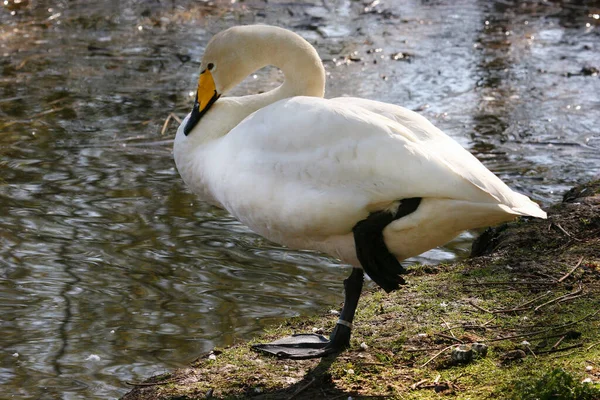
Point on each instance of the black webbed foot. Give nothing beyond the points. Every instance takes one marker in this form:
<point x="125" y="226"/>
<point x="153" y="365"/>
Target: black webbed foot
<point x="304" y="346"/>
<point x="307" y="345"/>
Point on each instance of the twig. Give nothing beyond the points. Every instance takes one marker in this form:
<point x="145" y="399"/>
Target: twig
<point x="438" y="354"/>
<point x="593" y="314"/>
<point x="514" y="336"/>
<point x="563" y="354"/>
<point x="565" y="232"/>
<point x="479" y="308"/>
<point x="571" y="271"/>
<point x="174" y="380"/>
<point x="531" y="351"/>
<point x="491" y="283"/>
<point x="166" y="123"/>
<point x="563" y="349"/>
<point x="509" y="310"/>
<point x="424" y="349"/>
<point x="592" y="346"/>
<point x="558" y="342"/>
<point x="450" y="329"/>
<point x="34" y="116"/>
<point x="449" y="337"/>
<point x="571" y="298"/>
<point x="418" y="384"/>
<point x="558" y="299"/>
<point x="302" y="388"/>
<point x="546" y="330"/>
<point x="534" y="300"/>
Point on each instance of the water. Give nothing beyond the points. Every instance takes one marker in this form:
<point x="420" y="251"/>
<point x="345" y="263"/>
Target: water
<point x="111" y="271"/>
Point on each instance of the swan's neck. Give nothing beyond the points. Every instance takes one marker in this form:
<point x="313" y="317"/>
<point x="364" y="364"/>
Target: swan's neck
<point x="295" y="57"/>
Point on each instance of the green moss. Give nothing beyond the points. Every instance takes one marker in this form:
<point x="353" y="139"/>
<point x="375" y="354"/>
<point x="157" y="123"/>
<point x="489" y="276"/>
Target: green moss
<point x="557" y="384"/>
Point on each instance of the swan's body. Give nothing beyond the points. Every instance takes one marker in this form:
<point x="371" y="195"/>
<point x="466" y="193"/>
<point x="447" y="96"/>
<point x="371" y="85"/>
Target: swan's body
<point x="303" y="171"/>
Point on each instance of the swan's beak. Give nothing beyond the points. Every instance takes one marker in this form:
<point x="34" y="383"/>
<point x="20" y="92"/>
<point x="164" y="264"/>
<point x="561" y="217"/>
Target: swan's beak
<point x="205" y="98"/>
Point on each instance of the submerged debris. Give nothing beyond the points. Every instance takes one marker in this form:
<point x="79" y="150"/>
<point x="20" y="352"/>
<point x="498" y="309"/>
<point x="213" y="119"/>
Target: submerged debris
<point x="590" y="71"/>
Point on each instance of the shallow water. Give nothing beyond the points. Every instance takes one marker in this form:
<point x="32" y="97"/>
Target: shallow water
<point x="111" y="271"/>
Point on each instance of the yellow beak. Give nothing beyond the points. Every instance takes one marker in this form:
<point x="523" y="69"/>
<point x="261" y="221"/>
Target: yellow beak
<point x="205" y="98"/>
<point x="206" y="89"/>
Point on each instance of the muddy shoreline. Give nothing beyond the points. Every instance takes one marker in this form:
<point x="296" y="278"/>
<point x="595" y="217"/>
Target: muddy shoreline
<point x="530" y="293"/>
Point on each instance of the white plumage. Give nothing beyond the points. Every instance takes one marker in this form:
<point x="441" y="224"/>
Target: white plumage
<point x="301" y="170"/>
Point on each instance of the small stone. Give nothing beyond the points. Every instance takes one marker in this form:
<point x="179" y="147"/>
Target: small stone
<point x="462" y="353"/>
<point x="480" y="348"/>
<point x="513" y="355"/>
<point x="525" y="343"/>
<point x="589" y="368"/>
<point x="350" y="371"/>
<point x="93" y="357"/>
<point x="15" y="355"/>
<point x="364" y="346"/>
<point x="587" y="380"/>
<point x="334" y="312"/>
<point x="212" y="357"/>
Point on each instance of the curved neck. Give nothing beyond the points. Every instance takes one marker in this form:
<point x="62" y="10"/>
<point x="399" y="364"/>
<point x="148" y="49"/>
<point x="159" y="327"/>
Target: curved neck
<point x="257" y="47"/>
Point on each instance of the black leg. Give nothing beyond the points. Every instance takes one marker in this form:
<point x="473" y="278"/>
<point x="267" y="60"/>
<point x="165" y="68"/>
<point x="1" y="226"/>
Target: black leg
<point x="378" y="263"/>
<point x="340" y="338"/>
<point x="305" y="346"/>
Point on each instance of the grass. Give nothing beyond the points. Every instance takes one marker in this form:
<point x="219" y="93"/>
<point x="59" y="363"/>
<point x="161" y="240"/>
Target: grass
<point x="406" y="334"/>
<point x="557" y="384"/>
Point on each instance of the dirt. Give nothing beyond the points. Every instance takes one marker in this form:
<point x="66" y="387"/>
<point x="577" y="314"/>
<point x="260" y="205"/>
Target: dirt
<point x="529" y="293"/>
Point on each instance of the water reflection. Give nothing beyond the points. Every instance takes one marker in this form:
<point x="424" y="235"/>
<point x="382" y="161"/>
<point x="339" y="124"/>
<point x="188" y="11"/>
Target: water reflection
<point x="111" y="271"/>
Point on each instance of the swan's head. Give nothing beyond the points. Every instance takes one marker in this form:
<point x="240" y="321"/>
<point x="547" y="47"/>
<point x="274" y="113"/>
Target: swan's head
<point x="230" y="56"/>
<point x="233" y="54"/>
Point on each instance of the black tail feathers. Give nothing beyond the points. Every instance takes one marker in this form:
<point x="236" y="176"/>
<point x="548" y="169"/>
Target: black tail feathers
<point x="374" y="256"/>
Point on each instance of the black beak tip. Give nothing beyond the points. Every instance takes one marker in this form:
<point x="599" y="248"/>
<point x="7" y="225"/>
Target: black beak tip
<point x="192" y="120"/>
<point x="196" y="114"/>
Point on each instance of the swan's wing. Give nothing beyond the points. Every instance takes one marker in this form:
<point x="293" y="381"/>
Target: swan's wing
<point x="310" y="166"/>
<point x="452" y="153"/>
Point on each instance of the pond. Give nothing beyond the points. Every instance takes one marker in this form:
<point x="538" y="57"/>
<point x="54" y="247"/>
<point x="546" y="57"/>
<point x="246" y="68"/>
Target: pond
<point x="111" y="271"/>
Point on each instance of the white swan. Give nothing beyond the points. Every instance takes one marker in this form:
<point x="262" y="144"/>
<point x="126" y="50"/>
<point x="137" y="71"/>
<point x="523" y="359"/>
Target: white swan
<point x="367" y="182"/>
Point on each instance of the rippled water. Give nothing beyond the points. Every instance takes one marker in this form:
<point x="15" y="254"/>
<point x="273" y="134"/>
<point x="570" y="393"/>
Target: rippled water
<point x="111" y="271"/>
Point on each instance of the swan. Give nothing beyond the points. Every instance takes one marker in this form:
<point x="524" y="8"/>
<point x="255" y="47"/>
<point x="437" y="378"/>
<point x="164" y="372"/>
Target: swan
<point x="367" y="182"/>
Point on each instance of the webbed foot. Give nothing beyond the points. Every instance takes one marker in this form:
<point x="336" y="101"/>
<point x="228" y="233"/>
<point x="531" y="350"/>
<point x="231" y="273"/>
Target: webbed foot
<point x="307" y="345"/>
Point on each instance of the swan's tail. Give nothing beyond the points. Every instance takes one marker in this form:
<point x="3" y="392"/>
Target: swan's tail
<point x="522" y="205"/>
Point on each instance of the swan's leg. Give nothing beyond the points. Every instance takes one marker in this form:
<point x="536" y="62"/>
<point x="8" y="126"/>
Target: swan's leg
<point x="303" y="346"/>
<point x="378" y="263"/>
<point x="340" y="337"/>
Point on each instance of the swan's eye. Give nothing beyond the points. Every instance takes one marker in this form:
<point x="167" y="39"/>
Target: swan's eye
<point x="210" y="66"/>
